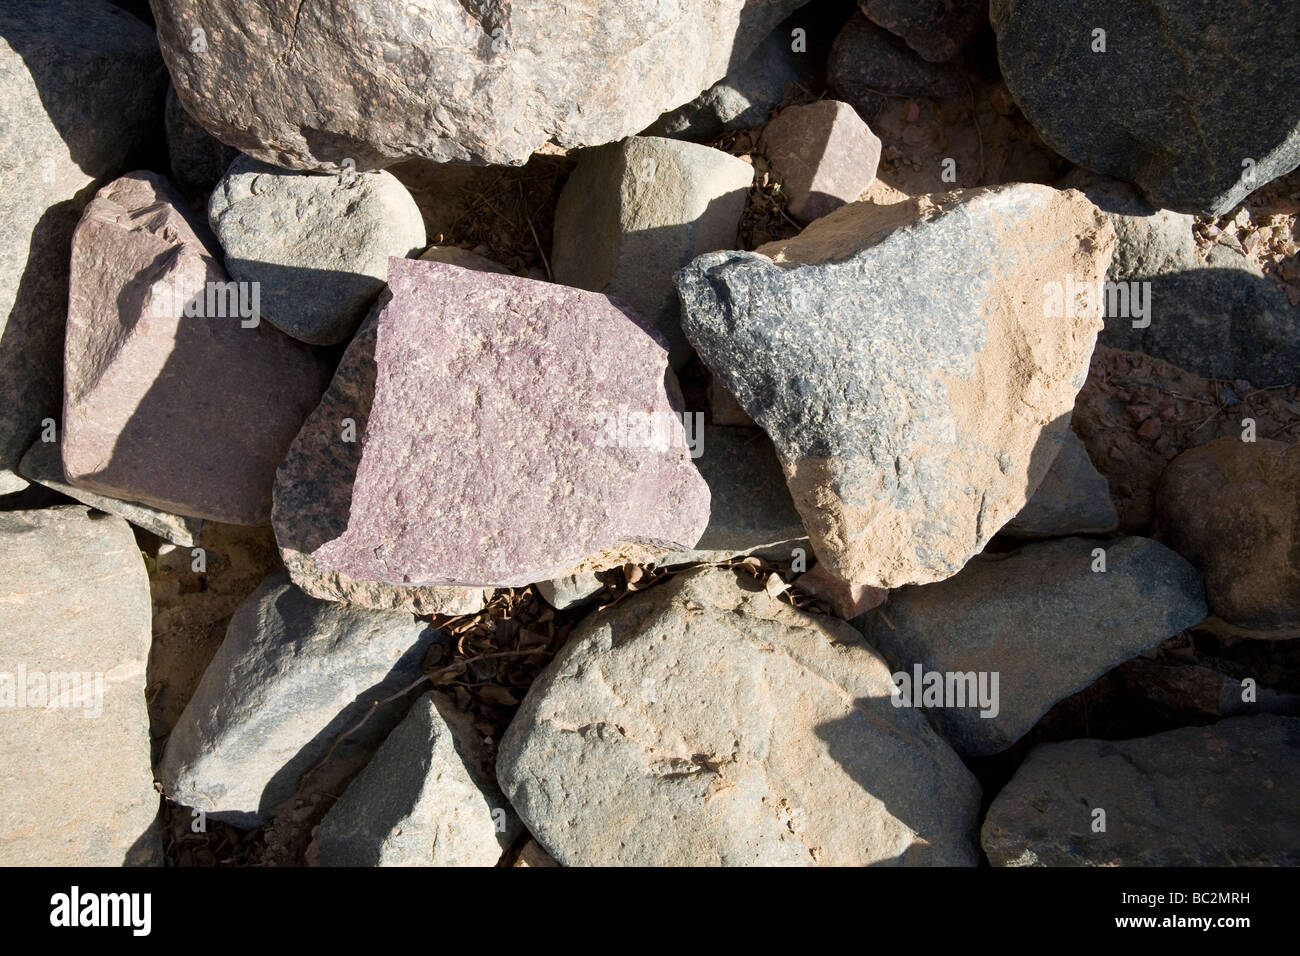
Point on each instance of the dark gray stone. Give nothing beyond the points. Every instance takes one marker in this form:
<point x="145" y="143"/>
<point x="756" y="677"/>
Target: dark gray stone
<point x="936" y="29"/>
<point x="1074" y="498"/>
<point x="198" y="159"/>
<point x="1042" y="619"/>
<point x="1199" y="796"/>
<point x="1191" y="100"/>
<point x="868" y="65"/>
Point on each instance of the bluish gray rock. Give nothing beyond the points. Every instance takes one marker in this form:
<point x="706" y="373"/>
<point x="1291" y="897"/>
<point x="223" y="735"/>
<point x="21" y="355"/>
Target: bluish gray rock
<point x="1074" y="498"/>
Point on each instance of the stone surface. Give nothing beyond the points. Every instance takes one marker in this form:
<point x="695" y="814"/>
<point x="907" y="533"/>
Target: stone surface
<point x="1043" y="620"/>
<point x="62" y="134"/>
<point x="915" y="390"/>
<point x="1190" y="99"/>
<point x="313" y="492"/>
<point x="533" y="855"/>
<point x="1197" y="796"/>
<point x="1073" y="498"/>
<point x="1232" y="509"/>
<point x="846" y="600"/>
<point x="197" y="159"/>
<point x="724" y="409"/>
<point x="823" y="155"/>
<point x="750" y="511"/>
<point x="936" y="29"/>
<point x="446" y="80"/>
<point x="536" y="427"/>
<point x="187" y="414"/>
<point x="77" y="788"/>
<point x="43" y="464"/>
<point x="573" y="590"/>
<point x="292" y="676"/>
<point x="427" y="798"/>
<point x="868" y="66"/>
<point x="318" y="244"/>
<point x="741" y="99"/>
<point x="456" y="256"/>
<point x="700" y="723"/>
<point x="635" y="212"/>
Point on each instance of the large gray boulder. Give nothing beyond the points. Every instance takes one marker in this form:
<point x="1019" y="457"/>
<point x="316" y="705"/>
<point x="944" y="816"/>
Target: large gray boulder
<point x="1043" y="622"/>
<point x="292" y="676"/>
<point x="704" y="723"/>
<point x="1190" y="100"/>
<point x="916" y="393"/>
<point x="77" y="788"/>
<point x="445" y="80"/>
<point x="1199" y="796"/>
<point x="61" y="135"/>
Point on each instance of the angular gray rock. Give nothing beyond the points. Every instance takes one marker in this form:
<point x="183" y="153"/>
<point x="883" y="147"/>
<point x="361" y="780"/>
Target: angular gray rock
<point x="197" y="159"/>
<point x="77" y="787"/>
<point x="635" y="212"/>
<point x="936" y="29"/>
<point x="541" y="437"/>
<point x="573" y="590"/>
<point x="427" y="798"/>
<point x="702" y="723"/>
<point x="43" y="464"/>
<point x="313" y="492"/>
<point x="171" y="397"/>
<point x="1188" y="101"/>
<point x="292" y="676"/>
<point x="823" y="155"/>
<point x="318" y="244"/>
<point x="445" y="80"/>
<point x="1198" y="796"/>
<point x="868" y="64"/>
<point x="62" y="134"/>
<point x="1041" y="620"/>
<point x="750" y="510"/>
<point x="916" y="393"/>
<point x="1074" y="498"/>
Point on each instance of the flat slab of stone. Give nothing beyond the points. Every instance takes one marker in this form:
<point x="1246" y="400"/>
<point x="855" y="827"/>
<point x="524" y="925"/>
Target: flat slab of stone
<point x="1199" y="796"/>
<point x="633" y="213"/>
<point x="189" y="414"/>
<point x="427" y="798"/>
<point x="77" y="787"/>
<point x="1041" y="621"/>
<point x="823" y="155"/>
<point x="520" y="431"/>
<point x="317" y="244"/>
<point x="700" y="723"/>
<point x="1073" y="498"/>
<point x="44" y="465"/>
<point x="292" y="676"/>
<point x="916" y="393"/>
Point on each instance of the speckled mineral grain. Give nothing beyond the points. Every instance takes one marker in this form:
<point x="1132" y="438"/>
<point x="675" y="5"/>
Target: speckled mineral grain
<point x="908" y="365"/>
<point x="520" y="431"/>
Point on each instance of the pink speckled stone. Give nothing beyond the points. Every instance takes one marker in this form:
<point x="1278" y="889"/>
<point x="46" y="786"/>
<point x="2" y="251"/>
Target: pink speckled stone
<point x="489" y="457"/>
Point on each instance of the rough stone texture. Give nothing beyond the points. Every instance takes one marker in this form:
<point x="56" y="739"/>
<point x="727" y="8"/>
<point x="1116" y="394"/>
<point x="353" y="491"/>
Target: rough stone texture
<point x="1232" y="508"/>
<point x="293" y="674"/>
<point x="446" y="80"/>
<point x="846" y="600"/>
<point x="189" y="415"/>
<point x="936" y="29"/>
<point x="427" y="798"/>
<point x="313" y="492"/>
<point x="456" y="256"/>
<point x="77" y="788"/>
<point x="1043" y="620"/>
<point x="704" y="724"/>
<point x="197" y="159"/>
<point x="1185" y="91"/>
<point x="573" y="590"/>
<point x="318" y="244"/>
<point x="741" y="99"/>
<point x="635" y="212"/>
<point x="57" y="143"/>
<point x="868" y="66"/>
<point x="43" y="464"/>
<point x="1074" y="498"/>
<point x="1197" y="796"/>
<point x="823" y="155"/>
<point x="915" y="389"/>
<point x="750" y="511"/>
<point x="503" y="418"/>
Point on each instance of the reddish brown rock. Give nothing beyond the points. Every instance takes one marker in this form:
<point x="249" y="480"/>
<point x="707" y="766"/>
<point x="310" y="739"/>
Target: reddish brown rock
<point x="846" y="600"/>
<point x="520" y="431"/>
<point x="823" y="154"/>
<point x="188" y="414"/>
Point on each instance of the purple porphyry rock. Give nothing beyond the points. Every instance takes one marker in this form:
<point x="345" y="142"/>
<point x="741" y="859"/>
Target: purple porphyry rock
<point x="520" y="431"/>
<point x="192" y="413"/>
